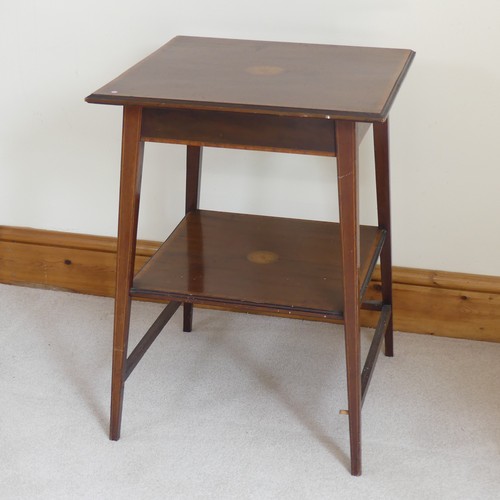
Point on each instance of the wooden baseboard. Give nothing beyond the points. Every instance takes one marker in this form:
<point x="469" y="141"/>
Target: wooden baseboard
<point x="431" y="302"/>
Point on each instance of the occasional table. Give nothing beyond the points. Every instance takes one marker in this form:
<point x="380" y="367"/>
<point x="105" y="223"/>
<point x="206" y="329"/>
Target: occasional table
<point x="269" y="96"/>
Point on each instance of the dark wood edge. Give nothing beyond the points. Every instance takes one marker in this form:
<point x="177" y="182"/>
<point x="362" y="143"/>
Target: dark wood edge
<point x="371" y="358"/>
<point x="149" y="337"/>
<point x="372" y="305"/>
<point x="366" y="275"/>
<point x="239" y="108"/>
<point x="235" y="146"/>
<point x="397" y="85"/>
<point x="235" y="305"/>
<point x="230" y="130"/>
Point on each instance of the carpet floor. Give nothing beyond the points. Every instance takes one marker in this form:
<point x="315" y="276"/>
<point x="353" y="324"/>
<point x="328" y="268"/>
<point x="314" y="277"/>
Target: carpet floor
<point x="243" y="407"/>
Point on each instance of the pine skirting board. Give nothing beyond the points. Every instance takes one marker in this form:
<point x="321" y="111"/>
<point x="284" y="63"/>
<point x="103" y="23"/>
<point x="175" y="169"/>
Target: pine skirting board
<point x="430" y="302"/>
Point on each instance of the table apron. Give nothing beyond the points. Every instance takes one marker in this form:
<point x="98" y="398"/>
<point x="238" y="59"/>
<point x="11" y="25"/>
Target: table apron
<point x="254" y="131"/>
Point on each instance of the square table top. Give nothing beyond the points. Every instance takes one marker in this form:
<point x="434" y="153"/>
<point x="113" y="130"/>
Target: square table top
<point x="294" y="79"/>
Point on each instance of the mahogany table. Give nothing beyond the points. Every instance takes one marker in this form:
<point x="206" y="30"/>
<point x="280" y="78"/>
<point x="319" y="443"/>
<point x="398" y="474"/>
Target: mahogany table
<point x="282" y="97"/>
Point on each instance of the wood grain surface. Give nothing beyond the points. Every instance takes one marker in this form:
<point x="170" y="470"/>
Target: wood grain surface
<point x="297" y="79"/>
<point x="426" y="301"/>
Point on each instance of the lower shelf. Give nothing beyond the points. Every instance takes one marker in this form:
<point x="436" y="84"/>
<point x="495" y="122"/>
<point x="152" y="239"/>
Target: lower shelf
<point x="255" y="262"/>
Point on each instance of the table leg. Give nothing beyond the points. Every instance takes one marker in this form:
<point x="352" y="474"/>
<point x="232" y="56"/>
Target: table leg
<point x="349" y="229"/>
<point x="130" y="186"/>
<point x="381" y="143"/>
<point x="193" y="175"/>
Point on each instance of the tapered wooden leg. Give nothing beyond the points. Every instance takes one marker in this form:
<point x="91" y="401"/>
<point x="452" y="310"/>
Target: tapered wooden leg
<point x="193" y="175"/>
<point x="130" y="186"/>
<point x="188" y="317"/>
<point x="349" y="230"/>
<point x="381" y="143"/>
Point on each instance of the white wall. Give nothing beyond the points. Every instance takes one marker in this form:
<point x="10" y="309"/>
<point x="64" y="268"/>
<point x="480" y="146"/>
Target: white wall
<point x="59" y="157"/>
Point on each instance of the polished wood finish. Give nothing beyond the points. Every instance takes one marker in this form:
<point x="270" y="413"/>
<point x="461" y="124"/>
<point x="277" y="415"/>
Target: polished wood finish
<point x="130" y="188"/>
<point x="347" y="178"/>
<point x="293" y="79"/>
<point x="383" y="325"/>
<point x="270" y="96"/>
<point x="289" y="134"/>
<point x="425" y="301"/>
<point x="193" y="177"/>
<point x="381" y="146"/>
<point x="149" y="337"/>
<point x="303" y="273"/>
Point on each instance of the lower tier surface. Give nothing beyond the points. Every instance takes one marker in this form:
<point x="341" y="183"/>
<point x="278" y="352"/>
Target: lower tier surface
<point x="254" y="261"/>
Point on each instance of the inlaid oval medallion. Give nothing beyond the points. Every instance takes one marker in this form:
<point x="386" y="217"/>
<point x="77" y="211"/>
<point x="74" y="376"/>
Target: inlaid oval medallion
<point x="262" y="257"/>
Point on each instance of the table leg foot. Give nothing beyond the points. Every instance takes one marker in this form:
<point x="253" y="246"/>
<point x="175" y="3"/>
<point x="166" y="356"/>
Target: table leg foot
<point x="188" y="317"/>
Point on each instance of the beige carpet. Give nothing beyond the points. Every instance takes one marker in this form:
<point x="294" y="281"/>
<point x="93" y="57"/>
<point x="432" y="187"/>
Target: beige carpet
<point x="242" y="407"/>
